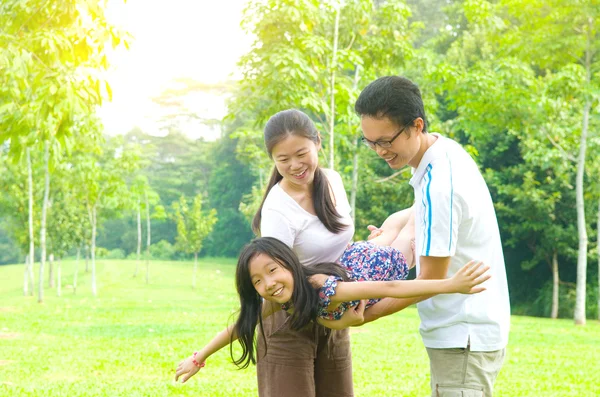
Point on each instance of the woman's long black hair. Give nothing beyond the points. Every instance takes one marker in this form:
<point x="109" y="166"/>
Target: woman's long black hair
<point x="280" y="126"/>
<point x="305" y="298"/>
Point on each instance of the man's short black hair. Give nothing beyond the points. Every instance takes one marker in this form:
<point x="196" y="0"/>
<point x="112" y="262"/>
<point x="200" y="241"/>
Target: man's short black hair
<point x="394" y="97"/>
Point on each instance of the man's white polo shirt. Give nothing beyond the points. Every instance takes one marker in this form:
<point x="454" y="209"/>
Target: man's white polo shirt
<point x="455" y="217"/>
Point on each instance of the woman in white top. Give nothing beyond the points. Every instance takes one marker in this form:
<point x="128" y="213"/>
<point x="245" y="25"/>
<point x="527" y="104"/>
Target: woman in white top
<point x="306" y="207"/>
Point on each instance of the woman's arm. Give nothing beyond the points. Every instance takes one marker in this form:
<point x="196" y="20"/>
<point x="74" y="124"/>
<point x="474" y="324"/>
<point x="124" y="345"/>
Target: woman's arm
<point x="465" y="281"/>
<point x="186" y="369"/>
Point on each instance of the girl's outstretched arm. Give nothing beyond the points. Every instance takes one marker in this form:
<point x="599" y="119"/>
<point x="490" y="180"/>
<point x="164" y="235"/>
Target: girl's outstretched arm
<point x="187" y="368"/>
<point x="465" y="281"/>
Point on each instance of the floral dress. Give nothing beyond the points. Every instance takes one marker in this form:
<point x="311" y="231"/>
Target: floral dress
<point x="363" y="261"/>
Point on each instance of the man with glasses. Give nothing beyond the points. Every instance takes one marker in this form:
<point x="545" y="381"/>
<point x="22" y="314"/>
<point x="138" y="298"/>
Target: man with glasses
<point x="455" y="221"/>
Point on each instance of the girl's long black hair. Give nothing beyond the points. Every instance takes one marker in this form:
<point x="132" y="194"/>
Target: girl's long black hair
<point x="280" y="126"/>
<point x="305" y="298"/>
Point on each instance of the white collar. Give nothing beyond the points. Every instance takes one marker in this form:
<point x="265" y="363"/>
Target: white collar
<point x="430" y="154"/>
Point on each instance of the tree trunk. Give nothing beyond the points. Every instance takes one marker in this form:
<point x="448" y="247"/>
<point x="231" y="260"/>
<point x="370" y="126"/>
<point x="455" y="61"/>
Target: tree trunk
<point x="581" y="230"/>
<point x="51" y="271"/>
<point x="76" y="270"/>
<point x="139" y="238"/>
<point x="195" y="269"/>
<point x="31" y="241"/>
<point x="580" y="293"/>
<point x="87" y="258"/>
<point x="26" y="277"/>
<point x="148" y="238"/>
<point x="93" y="249"/>
<point x="354" y="188"/>
<point x="43" y="224"/>
<point x="58" y="281"/>
<point x="332" y="88"/>
<point x="555" y="285"/>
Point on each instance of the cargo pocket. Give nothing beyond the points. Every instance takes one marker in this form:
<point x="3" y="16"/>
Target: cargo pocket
<point x="458" y="391"/>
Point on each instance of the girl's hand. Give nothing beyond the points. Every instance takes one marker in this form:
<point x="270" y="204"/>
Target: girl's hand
<point x="375" y="232"/>
<point x="186" y="369"/>
<point x="467" y="279"/>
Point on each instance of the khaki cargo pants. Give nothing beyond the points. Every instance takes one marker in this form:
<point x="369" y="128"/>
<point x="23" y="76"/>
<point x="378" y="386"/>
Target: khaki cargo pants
<point x="464" y="373"/>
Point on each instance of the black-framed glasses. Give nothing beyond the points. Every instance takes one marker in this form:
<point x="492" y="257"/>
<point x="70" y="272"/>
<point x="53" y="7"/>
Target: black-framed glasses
<point x="382" y="144"/>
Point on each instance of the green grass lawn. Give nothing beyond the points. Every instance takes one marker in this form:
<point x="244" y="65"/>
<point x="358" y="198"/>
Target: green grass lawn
<point x="129" y="339"/>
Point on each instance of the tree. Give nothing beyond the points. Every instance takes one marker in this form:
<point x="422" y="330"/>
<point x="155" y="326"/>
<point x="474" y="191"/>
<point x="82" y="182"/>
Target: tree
<point x="17" y="204"/>
<point x="514" y="87"/>
<point x="49" y="54"/>
<point x="140" y="191"/>
<point x="101" y="174"/>
<point x="151" y="198"/>
<point x="560" y="38"/>
<point x="193" y="225"/>
<point x="67" y="221"/>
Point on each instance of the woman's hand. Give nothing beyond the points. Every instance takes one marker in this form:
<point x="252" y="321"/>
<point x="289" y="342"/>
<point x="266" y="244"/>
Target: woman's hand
<point x="318" y="280"/>
<point x="354" y="317"/>
<point x="468" y="277"/>
<point x="187" y="368"/>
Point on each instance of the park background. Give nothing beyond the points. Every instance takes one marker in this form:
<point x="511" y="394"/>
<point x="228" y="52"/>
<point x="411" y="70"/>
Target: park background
<point x="130" y="173"/>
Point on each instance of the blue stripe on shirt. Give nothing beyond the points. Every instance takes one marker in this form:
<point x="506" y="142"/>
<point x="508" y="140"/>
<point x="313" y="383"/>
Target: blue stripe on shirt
<point x="428" y="237"/>
<point x="423" y="215"/>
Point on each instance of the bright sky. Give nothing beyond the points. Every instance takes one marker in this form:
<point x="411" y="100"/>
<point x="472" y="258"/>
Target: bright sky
<point x="198" y="39"/>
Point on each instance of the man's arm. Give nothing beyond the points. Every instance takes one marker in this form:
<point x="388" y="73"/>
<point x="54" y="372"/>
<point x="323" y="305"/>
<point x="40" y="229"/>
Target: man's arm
<point x="432" y="268"/>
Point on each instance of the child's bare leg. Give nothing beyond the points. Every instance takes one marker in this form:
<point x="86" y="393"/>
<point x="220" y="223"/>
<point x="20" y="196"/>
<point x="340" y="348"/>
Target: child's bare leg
<point x="405" y="241"/>
<point x="392" y="227"/>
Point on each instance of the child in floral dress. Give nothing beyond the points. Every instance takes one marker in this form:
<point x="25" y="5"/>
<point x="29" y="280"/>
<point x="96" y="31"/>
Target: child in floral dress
<point x="269" y="277"/>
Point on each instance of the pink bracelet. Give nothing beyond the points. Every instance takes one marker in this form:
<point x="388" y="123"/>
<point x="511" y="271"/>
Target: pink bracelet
<point x="199" y="365"/>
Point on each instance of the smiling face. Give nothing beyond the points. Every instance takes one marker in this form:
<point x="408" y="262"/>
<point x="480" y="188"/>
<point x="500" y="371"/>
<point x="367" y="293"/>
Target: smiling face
<point x="406" y="149"/>
<point x="296" y="159"/>
<point x="270" y="279"/>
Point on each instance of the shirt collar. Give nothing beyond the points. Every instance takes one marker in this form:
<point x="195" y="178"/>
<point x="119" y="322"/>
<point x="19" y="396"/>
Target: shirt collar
<point x="430" y="154"/>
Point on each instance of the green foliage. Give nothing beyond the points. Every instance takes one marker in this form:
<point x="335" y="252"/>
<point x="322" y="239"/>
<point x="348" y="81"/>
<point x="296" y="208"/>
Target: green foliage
<point x="14" y="199"/>
<point x="193" y="225"/>
<point x="513" y="88"/>
<point x="9" y="251"/>
<point x="229" y="181"/>
<point x="508" y="79"/>
<point x="102" y="174"/>
<point x="102" y="252"/>
<point x="50" y="56"/>
<point x="68" y="221"/>
<point x="162" y="250"/>
<point x="115" y="254"/>
<point x="542" y="305"/>
<point x="290" y="64"/>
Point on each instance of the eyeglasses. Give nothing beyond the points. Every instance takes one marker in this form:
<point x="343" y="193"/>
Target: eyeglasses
<point x="382" y="144"/>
